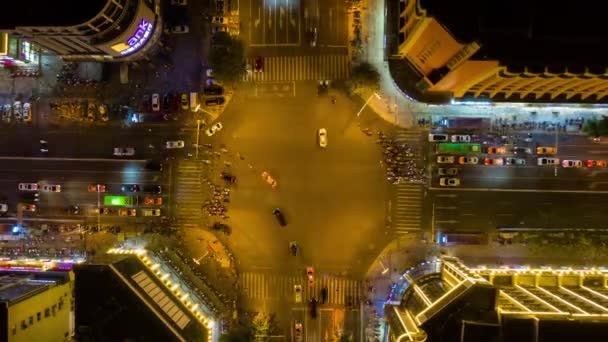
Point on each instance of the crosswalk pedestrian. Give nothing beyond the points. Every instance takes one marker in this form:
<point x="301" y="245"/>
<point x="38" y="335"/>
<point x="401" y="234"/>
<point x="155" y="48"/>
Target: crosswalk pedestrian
<point x="407" y="201"/>
<point x="189" y="192"/>
<point x="262" y="286"/>
<point x="407" y="136"/>
<point x="407" y="208"/>
<point x="300" y="68"/>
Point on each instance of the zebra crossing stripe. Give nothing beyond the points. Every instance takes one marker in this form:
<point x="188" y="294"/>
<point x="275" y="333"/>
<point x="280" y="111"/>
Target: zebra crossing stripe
<point x="300" y="68"/>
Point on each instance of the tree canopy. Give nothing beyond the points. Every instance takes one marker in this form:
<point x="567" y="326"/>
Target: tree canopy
<point x="364" y="77"/>
<point x="596" y="128"/>
<point x="227" y="57"/>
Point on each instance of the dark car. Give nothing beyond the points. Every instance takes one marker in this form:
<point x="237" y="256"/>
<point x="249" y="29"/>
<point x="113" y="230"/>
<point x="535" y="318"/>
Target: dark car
<point x="145" y="103"/>
<point x="215" y="101"/>
<point x="213" y="90"/>
<point x="167" y="103"/>
<point x="293" y="248"/>
<point x="153" y="188"/>
<point x="73" y="210"/>
<point x="130" y="188"/>
<point x="154" y="165"/>
<point x="228" y="177"/>
<point x="29" y="197"/>
<point x="313" y="308"/>
<point x="280" y="217"/>
<point x="175" y="102"/>
<point x="259" y="64"/>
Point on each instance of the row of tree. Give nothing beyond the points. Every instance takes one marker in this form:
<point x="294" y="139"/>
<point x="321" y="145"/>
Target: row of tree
<point x="596" y="128"/>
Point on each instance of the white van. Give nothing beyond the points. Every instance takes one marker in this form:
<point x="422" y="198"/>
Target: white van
<point x="194" y="104"/>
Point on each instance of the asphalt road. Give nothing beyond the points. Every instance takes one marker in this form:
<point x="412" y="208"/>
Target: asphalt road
<point x="529" y="196"/>
<point x="486" y="211"/>
<point x="285" y="27"/>
<point x="74" y="176"/>
<point x="532" y="176"/>
<point x="92" y="141"/>
<point x="333" y="198"/>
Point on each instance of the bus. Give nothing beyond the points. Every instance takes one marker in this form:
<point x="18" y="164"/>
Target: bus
<point x="446" y="239"/>
<point x="458" y="148"/>
<point x="118" y="201"/>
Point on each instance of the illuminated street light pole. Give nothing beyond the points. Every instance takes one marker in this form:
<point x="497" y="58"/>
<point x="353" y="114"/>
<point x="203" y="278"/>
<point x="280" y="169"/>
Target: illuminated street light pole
<point x="198" y="135"/>
<point x="556" y="145"/>
<point x="367" y="102"/>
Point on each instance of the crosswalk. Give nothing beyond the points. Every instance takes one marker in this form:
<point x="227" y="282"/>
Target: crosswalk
<point x="300" y="68"/>
<point x="189" y="193"/>
<point x="407" y="208"/>
<point x="340" y="291"/>
<point x="407" y="201"/>
<point x="408" y="136"/>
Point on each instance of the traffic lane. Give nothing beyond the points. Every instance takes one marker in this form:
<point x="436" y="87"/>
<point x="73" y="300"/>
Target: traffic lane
<point x="489" y="210"/>
<point x="333" y="25"/>
<point x="89" y="142"/>
<point x="74" y="178"/>
<point x="529" y="177"/>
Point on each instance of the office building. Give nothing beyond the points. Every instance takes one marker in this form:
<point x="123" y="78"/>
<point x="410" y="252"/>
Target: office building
<point x="36" y="306"/>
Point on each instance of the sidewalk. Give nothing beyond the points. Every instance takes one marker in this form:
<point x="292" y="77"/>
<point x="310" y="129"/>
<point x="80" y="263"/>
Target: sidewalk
<point x="398" y="108"/>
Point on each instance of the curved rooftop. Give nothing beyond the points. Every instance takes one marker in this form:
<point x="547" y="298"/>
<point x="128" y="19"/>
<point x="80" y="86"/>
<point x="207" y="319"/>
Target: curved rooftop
<point x="528" y="32"/>
<point x="48" y="13"/>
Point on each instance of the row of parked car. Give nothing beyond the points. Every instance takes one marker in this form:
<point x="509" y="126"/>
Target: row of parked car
<point x="21" y="112"/>
<point x="170" y="102"/>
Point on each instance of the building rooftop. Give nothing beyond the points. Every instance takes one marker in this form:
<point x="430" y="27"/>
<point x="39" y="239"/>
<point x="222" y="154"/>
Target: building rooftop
<point x="528" y="32"/>
<point x="16" y="286"/>
<point x="48" y="13"/>
<point x="480" y="304"/>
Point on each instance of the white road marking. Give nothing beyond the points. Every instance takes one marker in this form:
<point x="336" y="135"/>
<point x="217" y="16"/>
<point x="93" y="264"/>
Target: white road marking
<point x="522" y="190"/>
<point x="112" y="160"/>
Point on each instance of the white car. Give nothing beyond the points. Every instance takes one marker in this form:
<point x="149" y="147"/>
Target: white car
<point x="175" y="144"/>
<point x="445" y="159"/>
<point x="214" y="129"/>
<point x="460" y="138"/>
<point x="322" y="134"/>
<point x="151" y="212"/>
<point x="17" y="110"/>
<point x="548" y="161"/>
<point x="124" y="151"/>
<point x="445" y="181"/>
<point x="179" y="29"/>
<point x="28" y="186"/>
<point x="155" y="102"/>
<point x="297" y="289"/>
<point x="51" y="188"/>
<point x="572" y="163"/>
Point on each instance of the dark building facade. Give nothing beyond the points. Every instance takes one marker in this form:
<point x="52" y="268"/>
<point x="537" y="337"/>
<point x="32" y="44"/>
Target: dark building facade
<point x="514" y="51"/>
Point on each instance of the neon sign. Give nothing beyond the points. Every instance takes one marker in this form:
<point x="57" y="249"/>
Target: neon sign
<point x="139" y="38"/>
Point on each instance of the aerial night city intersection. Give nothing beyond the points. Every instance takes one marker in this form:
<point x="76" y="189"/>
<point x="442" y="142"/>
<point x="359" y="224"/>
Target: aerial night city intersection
<point x="302" y="170"/>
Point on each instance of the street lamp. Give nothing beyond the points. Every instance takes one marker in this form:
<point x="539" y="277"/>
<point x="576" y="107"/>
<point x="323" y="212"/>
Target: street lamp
<point x="374" y="94"/>
<point x="198" y="135"/>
